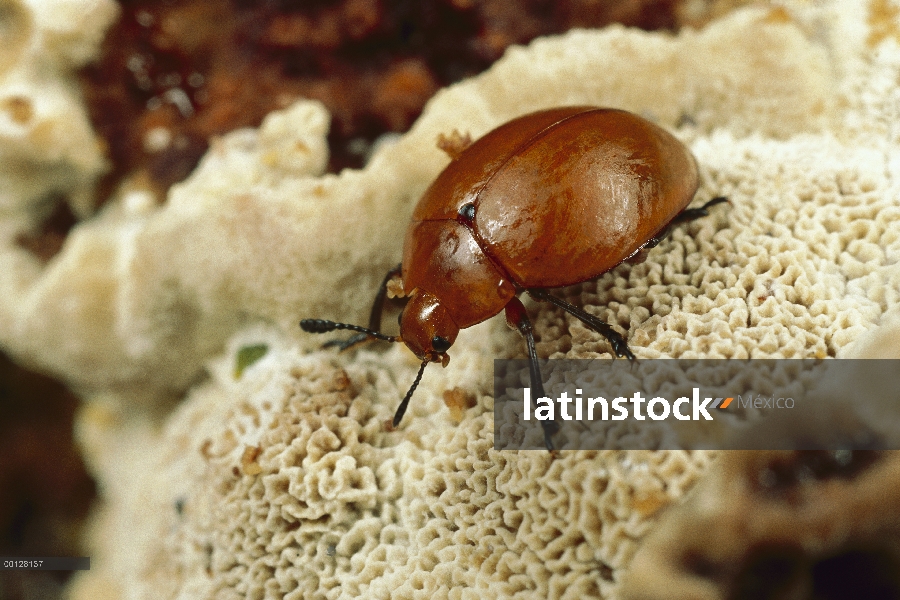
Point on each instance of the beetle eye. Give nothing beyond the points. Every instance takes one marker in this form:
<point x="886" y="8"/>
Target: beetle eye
<point x="467" y="212"/>
<point x="440" y="344"/>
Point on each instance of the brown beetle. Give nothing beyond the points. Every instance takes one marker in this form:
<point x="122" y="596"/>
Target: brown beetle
<point x="547" y="200"/>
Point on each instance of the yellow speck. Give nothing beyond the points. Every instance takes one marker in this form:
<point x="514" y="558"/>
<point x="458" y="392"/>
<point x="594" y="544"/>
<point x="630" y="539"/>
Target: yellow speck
<point x="248" y="460"/>
<point x="883" y="19"/>
<point x="19" y="108"/>
<point x="649" y="504"/>
<point x="778" y="15"/>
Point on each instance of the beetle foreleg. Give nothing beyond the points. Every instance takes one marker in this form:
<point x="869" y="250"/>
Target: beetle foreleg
<point x="619" y="346"/>
<point x="517" y="318"/>
<point x="374" y="316"/>
<point x="378" y="303"/>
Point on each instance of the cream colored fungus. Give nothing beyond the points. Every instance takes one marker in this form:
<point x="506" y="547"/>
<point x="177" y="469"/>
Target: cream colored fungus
<point x="282" y="482"/>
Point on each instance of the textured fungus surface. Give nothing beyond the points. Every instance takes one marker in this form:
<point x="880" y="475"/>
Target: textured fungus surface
<point x="779" y="525"/>
<point x="294" y="489"/>
<point x="806" y="524"/>
<point x="276" y="477"/>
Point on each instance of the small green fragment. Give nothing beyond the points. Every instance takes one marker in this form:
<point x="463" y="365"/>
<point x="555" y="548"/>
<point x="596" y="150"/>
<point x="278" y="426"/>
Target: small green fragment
<point x="248" y="355"/>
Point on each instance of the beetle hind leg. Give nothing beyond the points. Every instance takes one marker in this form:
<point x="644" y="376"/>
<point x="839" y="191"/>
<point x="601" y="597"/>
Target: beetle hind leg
<point x="615" y="339"/>
<point x="685" y="216"/>
<point x="690" y="214"/>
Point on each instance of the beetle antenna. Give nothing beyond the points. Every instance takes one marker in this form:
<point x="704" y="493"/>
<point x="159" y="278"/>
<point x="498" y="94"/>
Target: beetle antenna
<point x="398" y="416"/>
<point x="322" y="326"/>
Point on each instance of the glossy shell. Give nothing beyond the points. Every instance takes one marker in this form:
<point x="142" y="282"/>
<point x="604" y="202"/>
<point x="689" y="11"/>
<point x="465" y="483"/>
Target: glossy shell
<point x="560" y="196"/>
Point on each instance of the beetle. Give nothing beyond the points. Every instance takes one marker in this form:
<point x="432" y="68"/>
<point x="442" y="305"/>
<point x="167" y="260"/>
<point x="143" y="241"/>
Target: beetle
<point x="547" y="200"/>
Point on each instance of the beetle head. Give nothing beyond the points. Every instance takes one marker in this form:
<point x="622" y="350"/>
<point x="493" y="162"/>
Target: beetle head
<point x="427" y="328"/>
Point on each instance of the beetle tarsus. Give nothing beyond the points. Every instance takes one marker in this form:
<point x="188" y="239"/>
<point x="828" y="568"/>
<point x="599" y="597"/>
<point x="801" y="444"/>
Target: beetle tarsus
<point x="620" y="346"/>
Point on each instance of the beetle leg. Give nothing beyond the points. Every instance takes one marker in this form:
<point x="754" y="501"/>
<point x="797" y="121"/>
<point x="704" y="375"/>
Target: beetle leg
<point x="690" y="214"/>
<point x="619" y="346"/>
<point x="517" y="318"/>
<point x="374" y="315"/>
<point x="685" y="216"/>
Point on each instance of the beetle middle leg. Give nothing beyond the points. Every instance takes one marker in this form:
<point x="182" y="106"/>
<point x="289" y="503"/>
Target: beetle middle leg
<point x="517" y="318"/>
<point x="615" y="339"/>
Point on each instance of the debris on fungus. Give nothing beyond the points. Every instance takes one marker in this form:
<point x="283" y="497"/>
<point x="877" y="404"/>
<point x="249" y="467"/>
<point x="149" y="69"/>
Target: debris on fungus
<point x="458" y="401"/>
